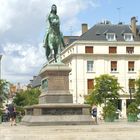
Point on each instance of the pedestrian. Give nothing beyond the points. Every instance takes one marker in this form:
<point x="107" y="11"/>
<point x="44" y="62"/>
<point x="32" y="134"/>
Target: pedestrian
<point x="12" y="114"/>
<point x="94" y="113"/>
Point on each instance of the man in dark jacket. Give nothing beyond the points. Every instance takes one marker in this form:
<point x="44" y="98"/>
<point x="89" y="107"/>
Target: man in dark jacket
<point x="12" y="114"/>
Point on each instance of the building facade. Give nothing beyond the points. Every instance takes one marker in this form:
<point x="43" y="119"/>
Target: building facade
<point x="104" y="49"/>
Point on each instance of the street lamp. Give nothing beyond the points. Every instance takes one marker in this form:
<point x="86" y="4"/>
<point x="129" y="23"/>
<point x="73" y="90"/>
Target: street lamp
<point x="0" y="65"/>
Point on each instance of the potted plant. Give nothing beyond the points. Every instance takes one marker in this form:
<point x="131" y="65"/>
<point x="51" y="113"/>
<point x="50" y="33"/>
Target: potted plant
<point x="132" y="112"/>
<point x="109" y="112"/>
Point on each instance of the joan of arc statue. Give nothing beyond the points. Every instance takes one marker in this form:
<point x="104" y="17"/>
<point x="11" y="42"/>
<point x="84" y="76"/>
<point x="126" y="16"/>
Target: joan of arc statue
<point x="53" y="42"/>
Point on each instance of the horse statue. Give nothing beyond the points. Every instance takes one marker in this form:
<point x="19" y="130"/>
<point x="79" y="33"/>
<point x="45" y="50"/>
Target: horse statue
<point x="54" y="38"/>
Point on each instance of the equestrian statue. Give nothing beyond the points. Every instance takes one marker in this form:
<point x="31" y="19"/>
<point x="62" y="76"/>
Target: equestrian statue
<point x="53" y="42"/>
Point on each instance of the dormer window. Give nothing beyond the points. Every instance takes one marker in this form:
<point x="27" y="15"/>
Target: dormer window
<point x="110" y="37"/>
<point x="128" y="37"/>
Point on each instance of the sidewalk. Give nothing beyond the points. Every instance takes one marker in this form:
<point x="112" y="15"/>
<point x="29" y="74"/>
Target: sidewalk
<point x="120" y="130"/>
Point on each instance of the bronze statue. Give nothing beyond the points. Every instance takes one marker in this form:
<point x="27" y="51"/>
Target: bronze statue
<point x="53" y="42"/>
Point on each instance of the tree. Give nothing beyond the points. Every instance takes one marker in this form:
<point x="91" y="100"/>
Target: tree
<point x="137" y="94"/>
<point x="106" y="88"/>
<point x="28" y="97"/>
<point x="106" y="91"/>
<point x="3" y="90"/>
<point x="109" y="112"/>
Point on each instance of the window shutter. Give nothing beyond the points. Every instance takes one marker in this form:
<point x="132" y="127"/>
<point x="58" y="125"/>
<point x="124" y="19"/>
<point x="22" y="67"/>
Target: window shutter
<point x="113" y="64"/>
<point x="132" y="83"/>
<point x="131" y="64"/>
<point x="129" y="49"/>
<point x="89" y="49"/>
<point x="90" y="83"/>
<point x="112" y="49"/>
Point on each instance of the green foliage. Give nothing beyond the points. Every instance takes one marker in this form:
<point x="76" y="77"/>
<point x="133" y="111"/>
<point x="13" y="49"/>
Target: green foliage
<point x="28" y="97"/>
<point x="132" y="109"/>
<point x="132" y="118"/>
<point x="3" y="90"/>
<point x="20" y="109"/>
<point x="106" y="88"/>
<point x="0" y="111"/>
<point x="109" y="111"/>
<point x="137" y="94"/>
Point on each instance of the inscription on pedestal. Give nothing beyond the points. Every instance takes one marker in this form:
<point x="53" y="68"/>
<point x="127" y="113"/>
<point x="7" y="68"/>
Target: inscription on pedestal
<point x="58" y="83"/>
<point x="61" y="111"/>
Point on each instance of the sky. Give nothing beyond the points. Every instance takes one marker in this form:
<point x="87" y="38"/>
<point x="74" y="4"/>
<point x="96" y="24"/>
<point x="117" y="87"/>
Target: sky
<point x="23" y="26"/>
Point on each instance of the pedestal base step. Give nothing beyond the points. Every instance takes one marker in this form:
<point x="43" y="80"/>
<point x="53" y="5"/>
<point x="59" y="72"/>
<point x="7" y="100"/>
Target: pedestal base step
<point x="44" y="120"/>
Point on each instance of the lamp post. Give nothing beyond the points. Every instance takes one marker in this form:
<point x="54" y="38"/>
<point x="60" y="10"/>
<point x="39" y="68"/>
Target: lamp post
<point x="0" y="65"/>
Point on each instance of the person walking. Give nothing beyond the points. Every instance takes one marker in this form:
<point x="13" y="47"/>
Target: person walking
<point x="12" y="114"/>
<point x="94" y="113"/>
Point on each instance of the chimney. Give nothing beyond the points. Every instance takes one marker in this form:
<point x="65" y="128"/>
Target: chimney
<point x="84" y="28"/>
<point x="133" y="25"/>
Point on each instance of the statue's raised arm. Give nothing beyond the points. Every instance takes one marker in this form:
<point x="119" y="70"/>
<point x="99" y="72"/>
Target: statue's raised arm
<point x="54" y="39"/>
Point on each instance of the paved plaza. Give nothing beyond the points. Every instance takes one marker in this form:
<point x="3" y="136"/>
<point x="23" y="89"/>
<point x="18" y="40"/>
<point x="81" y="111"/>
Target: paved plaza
<point x="121" y="130"/>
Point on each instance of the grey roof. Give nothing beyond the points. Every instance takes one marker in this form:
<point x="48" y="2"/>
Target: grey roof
<point x="36" y="82"/>
<point x="99" y="31"/>
<point x="71" y="39"/>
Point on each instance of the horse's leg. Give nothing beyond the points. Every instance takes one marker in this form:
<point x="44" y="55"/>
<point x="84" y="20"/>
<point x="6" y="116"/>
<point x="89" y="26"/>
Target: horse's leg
<point x="55" y="52"/>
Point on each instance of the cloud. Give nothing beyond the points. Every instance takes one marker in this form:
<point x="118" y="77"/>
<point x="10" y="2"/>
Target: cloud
<point x="6" y="15"/>
<point x="22" y="59"/>
<point x="22" y="29"/>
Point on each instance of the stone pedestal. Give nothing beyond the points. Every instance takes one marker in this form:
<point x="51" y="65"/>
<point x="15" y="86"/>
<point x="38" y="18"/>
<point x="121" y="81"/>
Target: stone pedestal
<point x="55" y="84"/>
<point x="55" y="102"/>
<point x="57" y="114"/>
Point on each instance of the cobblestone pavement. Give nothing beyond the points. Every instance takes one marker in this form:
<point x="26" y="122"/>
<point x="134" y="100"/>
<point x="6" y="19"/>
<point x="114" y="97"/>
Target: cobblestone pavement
<point x="121" y="130"/>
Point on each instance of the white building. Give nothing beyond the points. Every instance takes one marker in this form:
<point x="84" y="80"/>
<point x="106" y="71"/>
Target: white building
<point x="104" y="49"/>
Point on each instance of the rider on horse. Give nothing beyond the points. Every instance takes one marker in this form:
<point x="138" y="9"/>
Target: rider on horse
<point x="54" y="37"/>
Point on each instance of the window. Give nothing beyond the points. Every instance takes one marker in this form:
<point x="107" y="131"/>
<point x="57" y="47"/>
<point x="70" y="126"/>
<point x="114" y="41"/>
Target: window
<point x="90" y="85"/>
<point x="129" y="50"/>
<point x="111" y="37"/>
<point x="112" y="49"/>
<point x="113" y="65"/>
<point x="89" y="66"/>
<point x="89" y="49"/>
<point x="128" y="37"/>
<point x="131" y="85"/>
<point x="130" y="65"/>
